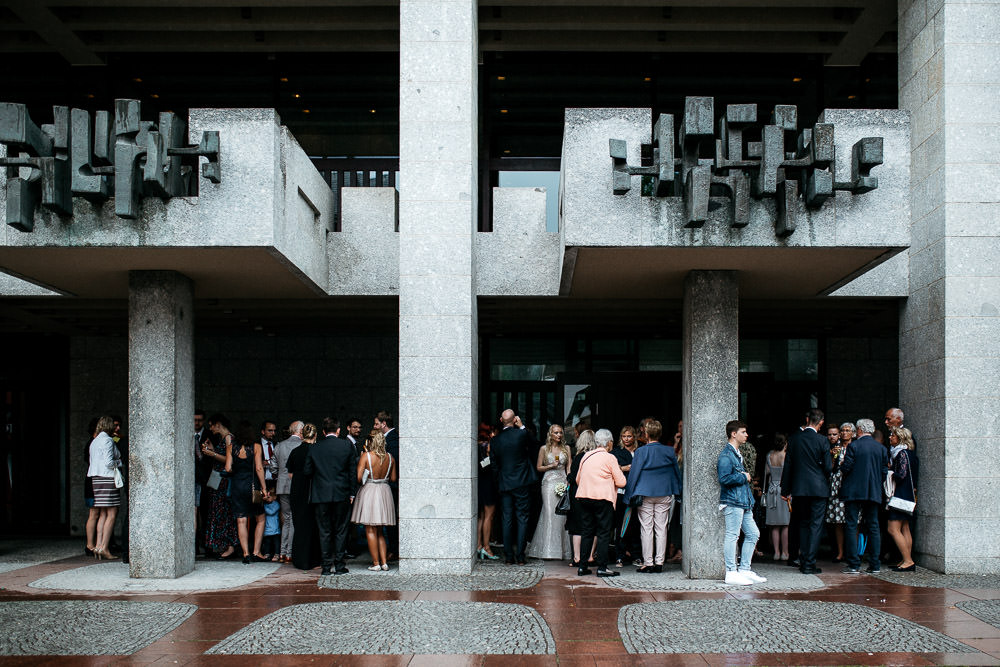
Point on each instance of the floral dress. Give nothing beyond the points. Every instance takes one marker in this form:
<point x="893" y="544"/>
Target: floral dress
<point x="220" y="531"/>
<point x="835" y="511"/>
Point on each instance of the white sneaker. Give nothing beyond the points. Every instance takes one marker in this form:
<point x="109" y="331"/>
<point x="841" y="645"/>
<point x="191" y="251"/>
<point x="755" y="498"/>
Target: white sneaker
<point x="737" y="578"/>
<point x="753" y="576"/>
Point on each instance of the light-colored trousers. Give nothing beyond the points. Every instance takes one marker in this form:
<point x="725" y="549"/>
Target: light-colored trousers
<point x="654" y="517"/>
<point x="287" y="528"/>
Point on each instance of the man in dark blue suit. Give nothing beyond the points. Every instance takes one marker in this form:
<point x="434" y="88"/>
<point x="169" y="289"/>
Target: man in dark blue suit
<point x="332" y="464"/>
<point x="806" y="480"/>
<point x="864" y="469"/>
<point x="510" y="456"/>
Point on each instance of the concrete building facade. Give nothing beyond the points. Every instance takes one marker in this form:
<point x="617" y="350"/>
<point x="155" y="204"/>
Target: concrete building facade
<point x="753" y="270"/>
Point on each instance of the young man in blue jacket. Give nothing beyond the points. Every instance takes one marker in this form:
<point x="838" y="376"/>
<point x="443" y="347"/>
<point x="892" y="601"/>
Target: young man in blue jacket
<point x="736" y="505"/>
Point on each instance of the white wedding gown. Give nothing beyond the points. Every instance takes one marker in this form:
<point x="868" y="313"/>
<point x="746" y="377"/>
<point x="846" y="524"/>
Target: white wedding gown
<point x="551" y="539"/>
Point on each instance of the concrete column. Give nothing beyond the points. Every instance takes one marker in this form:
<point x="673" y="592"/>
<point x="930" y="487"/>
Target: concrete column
<point x="160" y="405"/>
<point x="711" y="398"/>
<point x="949" y="71"/>
<point x="438" y="338"/>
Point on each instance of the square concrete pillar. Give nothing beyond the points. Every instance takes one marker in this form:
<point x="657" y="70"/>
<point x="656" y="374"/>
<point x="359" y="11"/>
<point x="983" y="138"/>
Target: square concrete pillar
<point x="161" y="404"/>
<point x="438" y="338"/>
<point x="950" y="322"/>
<point x="711" y="364"/>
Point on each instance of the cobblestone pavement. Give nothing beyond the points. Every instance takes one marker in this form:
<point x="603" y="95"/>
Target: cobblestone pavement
<point x="930" y="579"/>
<point x="779" y="578"/>
<point x="987" y="611"/>
<point x="18" y="553"/>
<point x="762" y="626"/>
<point x="113" y="577"/>
<point x="86" y="627"/>
<point x="484" y="577"/>
<point x="415" y="628"/>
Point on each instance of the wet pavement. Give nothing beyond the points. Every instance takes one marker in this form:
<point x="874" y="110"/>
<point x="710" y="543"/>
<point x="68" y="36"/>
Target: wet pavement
<point x="542" y="614"/>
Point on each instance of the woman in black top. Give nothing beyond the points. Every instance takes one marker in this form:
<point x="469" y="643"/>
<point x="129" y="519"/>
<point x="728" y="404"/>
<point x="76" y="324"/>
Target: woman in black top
<point x="305" y="543"/>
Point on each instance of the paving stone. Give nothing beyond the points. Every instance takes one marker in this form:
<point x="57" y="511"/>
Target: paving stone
<point x="394" y="628"/>
<point x="779" y="578"/>
<point x="987" y="611"/>
<point x="18" y="553"/>
<point x="925" y="578"/>
<point x="113" y="577"/>
<point x="86" y="627"/>
<point x="485" y="577"/>
<point x="773" y="626"/>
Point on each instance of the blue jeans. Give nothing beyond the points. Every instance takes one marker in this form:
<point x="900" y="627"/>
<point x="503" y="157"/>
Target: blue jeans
<point x="867" y="512"/>
<point x="737" y="518"/>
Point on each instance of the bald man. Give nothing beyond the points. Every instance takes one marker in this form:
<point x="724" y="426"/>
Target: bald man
<point x="511" y="458"/>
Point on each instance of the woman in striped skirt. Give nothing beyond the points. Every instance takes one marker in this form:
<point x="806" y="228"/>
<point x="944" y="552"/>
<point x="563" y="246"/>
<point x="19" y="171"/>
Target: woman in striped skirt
<point x="105" y="459"/>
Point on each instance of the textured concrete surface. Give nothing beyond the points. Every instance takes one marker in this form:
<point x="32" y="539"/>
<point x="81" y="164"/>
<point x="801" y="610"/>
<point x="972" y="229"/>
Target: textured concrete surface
<point x="519" y="257"/>
<point x="924" y="578"/>
<point x="114" y="577"/>
<point x="438" y="338"/>
<point x="949" y="325"/>
<point x="593" y="216"/>
<point x="14" y="286"/>
<point x="491" y="576"/>
<point x="364" y="255"/>
<point x="762" y="626"/>
<point x="86" y="627"/>
<point x="779" y="578"/>
<point x="417" y="627"/>
<point x="160" y="473"/>
<point x="710" y="399"/>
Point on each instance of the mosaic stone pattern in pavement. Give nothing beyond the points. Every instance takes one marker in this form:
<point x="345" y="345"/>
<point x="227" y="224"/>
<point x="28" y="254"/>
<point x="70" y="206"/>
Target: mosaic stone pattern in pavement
<point x="929" y="579"/>
<point x="779" y="578"/>
<point x="987" y="611"/>
<point x="484" y="577"/>
<point x="112" y="627"/>
<point x="417" y="627"/>
<point x="761" y="626"/>
<point x="207" y="575"/>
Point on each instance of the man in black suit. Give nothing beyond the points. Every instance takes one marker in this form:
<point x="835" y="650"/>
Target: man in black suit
<point x="332" y="464"/>
<point x="384" y="423"/>
<point x="864" y="469"/>
<point x="510" y="457"/>
<point x="806" y="480"/>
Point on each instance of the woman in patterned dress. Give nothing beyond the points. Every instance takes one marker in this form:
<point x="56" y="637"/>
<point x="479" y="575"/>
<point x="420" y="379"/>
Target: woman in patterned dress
<point x="220" y="532"/>
<point x="835" y="510"/>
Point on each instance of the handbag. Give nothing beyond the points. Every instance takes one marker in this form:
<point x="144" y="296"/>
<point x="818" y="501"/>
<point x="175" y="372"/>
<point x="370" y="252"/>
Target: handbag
<point x="256" y="495"/>
<point x="564" y="504"/>
<point x="214" y="480"/>
<point x="119" y="481"/>
<point x="900" y="505"/>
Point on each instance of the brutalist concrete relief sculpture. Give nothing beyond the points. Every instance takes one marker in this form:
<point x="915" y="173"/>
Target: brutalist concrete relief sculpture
<point x="118" y="156"/>
<point x="767" y="170"/>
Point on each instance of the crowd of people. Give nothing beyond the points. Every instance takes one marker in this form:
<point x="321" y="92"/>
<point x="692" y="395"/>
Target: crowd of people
<point x="312" y="498"/>
<point x="621" y="502"/>
<point x="316" y="498"/>
<point x="600" y="506"/>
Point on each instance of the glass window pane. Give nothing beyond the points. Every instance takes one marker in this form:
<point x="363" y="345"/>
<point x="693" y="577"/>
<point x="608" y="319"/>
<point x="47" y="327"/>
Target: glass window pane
<point x="660" y="355"/>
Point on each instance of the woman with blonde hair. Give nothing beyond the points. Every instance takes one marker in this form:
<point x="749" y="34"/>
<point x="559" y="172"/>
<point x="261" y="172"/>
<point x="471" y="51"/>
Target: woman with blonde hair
<point x="903" y="463"/>
<point x="105" y="459"/>
<point x="550" y="539"/>
<point x="373" y="507"/>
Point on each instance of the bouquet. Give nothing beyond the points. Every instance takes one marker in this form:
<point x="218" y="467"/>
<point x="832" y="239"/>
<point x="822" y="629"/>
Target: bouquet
<point x="561" y="488"/>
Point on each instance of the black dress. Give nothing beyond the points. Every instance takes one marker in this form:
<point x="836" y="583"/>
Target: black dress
<point x="573" y="523"/>
<point x="305" y="541"/>
<point x="487" y="484"/>
<point x="241" y="482"/>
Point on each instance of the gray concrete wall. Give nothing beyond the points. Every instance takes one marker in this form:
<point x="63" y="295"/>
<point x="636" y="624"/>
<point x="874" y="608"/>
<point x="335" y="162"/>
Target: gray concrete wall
<point x="593" y="216"/>
<point x="519" y="257"/>
<point x="710" y="399"/>
<point x="949" y="68"/>
<point x="364" y="255"/>
<point x="438" y="338"/>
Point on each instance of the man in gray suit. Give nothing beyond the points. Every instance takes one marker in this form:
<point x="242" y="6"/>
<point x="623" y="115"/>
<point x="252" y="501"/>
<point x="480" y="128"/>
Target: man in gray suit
<point x="864" y="469"/>
<point x="283" y="487"/>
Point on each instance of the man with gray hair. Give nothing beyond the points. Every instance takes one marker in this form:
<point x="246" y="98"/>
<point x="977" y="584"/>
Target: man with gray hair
<point x="283" y="487"/>
<point x="864" y="469"/>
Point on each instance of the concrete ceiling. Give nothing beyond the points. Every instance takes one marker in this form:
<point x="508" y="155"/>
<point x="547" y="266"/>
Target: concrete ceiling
<point x="843" y="31"/>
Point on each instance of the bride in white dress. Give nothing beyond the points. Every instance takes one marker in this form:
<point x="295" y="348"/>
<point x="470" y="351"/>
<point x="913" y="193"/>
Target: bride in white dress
<point x="551" y="539"/>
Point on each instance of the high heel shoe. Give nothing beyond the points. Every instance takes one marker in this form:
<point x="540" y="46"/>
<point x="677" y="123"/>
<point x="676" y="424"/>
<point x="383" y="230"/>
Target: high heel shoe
<point x="485" y="555"/>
